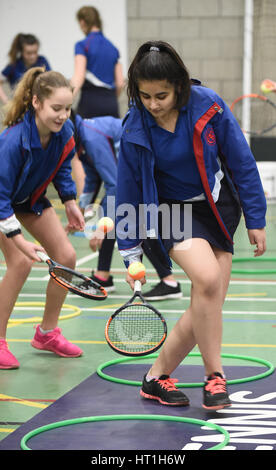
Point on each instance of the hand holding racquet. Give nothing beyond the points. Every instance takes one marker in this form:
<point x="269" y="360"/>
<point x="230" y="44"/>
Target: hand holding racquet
<point x="136" y="328"/>
<point x="73" y="280"/>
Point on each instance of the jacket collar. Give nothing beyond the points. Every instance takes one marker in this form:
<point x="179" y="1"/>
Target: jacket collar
<point x="135" y="131"/>
<point x="30" y="136"/>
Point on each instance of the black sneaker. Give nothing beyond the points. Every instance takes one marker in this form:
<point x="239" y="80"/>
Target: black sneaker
<point x="108" y="284"/>
<point x="163" y="390"/>
<point x="163" y="291"/>
<point x="215" y="394"/>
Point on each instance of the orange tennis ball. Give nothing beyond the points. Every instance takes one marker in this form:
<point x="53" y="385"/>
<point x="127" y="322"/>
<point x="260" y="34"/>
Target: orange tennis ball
<point x="106" y="224"/>
<point x="264" y="88"/>
<point x="136" y="270"/>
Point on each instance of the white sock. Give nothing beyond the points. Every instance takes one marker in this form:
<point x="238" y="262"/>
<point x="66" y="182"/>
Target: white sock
<point x="44" y="332"/>
<point x="151" y="377"/>
<point x="171" y="283"/>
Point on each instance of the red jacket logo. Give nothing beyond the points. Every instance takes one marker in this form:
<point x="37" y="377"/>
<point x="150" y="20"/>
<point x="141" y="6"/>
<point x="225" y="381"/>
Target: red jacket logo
<point x="210" y="136"/>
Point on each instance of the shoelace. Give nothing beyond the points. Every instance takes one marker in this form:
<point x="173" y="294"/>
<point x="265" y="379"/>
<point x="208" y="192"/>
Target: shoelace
<point x="168" y="384"/>
<point x="216" y="385"/>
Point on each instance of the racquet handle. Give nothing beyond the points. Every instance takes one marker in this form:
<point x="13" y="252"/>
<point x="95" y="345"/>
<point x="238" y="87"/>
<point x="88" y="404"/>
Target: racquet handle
<point x="42" y="255"/>
<point x="137" y="286"/>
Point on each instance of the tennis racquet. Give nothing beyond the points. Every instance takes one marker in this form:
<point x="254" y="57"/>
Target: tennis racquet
<point x="263" y="113"/>
<point x="136" y="328"/>
<point x="73" y="280"/>
<point x="268" y="86"/>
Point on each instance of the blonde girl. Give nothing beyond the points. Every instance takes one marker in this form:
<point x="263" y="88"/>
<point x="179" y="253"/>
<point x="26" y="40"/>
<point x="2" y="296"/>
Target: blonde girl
<point x="36" y="149"/>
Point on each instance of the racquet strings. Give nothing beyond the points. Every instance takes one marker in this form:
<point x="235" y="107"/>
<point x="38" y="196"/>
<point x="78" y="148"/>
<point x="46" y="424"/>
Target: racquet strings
<point x="135" y="329"/>
<point x="262" y="114"/>
<point x="75" y="281"/>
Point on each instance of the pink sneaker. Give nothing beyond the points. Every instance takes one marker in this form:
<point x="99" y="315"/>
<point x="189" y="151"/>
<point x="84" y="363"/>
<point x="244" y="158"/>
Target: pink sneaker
<point x="7" y="359"/>
<point x="55" y="342"/>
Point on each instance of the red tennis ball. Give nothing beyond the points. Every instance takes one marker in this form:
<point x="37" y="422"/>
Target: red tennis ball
<point x="106" y="224"/>
<point x="136" y="270"/>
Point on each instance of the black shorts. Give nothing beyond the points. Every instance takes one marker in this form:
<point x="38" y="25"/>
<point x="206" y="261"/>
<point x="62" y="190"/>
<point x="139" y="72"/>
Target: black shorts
<point x="25" y="207"/>
<point x="97" y="101"/>
<point x="203" y="223"/>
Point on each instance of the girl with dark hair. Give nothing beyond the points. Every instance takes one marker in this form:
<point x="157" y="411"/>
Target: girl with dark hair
<point x="183" y="150"/>
<point x="36" y="149"/>
<point x="23" y="54"/>
<point x="98" y="72"/>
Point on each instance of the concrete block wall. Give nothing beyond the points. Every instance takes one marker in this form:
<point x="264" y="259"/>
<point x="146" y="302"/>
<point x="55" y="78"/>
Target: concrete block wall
<point x="208" y="34"/>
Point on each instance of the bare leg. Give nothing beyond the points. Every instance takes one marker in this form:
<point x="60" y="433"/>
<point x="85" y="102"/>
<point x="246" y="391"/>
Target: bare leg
<point x="18" y="269"/>
<point x="209" y="271"/>
<point x="47" y="229"/>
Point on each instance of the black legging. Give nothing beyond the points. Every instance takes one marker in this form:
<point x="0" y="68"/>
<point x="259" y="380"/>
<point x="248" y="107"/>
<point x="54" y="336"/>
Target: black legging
<point x="106" y="252"/>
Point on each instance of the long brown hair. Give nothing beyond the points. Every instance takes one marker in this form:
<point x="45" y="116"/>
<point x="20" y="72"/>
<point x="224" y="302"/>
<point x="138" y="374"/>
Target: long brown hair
<point x="90" y="16"/>
<point x="18" y="43"/>
<point x="34" y="82"/>
<point x="158" y="60"/>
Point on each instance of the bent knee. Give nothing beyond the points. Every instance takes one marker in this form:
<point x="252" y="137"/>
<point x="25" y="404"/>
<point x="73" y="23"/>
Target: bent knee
<point x="209" y="285"/>
<point x="66" y="256"/>
<point x="20" y="264"/>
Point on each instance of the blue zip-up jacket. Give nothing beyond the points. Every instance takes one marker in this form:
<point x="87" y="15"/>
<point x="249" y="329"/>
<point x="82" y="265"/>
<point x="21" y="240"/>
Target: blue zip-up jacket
<point x="16" y="162"/>
<point x="98" y="140"/>
<point x="214" y="132"/>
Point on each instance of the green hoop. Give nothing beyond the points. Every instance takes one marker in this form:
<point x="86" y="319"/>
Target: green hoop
<point x="269" y="371"/>
<point x="213" y="426"/>
<point x="253" y="271"/>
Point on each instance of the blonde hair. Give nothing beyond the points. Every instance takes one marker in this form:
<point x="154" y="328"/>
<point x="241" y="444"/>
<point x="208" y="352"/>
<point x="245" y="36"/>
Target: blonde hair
<point x="90" y="16"/>
<point x="34" y="82"/>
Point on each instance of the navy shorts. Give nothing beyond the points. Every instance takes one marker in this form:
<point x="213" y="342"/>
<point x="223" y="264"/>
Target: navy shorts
<point x="203" y="223"/>
<point x="97" y="101"/>
<point x="25" y="207"/>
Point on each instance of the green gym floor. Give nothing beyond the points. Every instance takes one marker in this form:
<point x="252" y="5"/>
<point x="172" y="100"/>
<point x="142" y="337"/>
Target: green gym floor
<point x="249" y="315"/>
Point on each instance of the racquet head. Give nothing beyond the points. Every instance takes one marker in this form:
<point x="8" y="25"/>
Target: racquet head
<point x="74" y="281"/>
<point x="262" y="113"/>
<point x="136" y="328"/>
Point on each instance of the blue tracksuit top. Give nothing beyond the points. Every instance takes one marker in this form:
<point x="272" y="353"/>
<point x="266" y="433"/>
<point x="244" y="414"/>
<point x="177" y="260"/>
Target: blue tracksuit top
<point x="102" y="56"/>
<point x="19" y="150"/>
<point x="14" y="72"/>
<point x="215" y="132"/>
<point x="99" y="138"/>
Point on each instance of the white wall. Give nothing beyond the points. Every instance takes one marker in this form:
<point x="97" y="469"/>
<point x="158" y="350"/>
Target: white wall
<point x="54" y="23"/>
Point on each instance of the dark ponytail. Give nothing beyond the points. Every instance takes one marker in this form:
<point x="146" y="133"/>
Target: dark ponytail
<point x="158" y="60"/>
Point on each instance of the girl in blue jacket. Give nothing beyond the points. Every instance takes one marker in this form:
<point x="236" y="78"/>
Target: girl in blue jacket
<point x="23" y="54"/>
<point x="36" y="149"/>
<point x="97" y="141"/>
<point x="185" y="163"/>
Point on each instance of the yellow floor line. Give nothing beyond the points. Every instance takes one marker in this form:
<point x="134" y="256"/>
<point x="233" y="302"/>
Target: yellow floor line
<point x="6" y="430"/>
<point x="104" y="342"/>
<point x="22" y="402"/>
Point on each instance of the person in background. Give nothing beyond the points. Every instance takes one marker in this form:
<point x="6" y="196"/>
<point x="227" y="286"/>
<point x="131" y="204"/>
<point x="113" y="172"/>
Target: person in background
<point x="98" y="73"/>
<point x="23" y="54"/>
<point x="97" y="144"/>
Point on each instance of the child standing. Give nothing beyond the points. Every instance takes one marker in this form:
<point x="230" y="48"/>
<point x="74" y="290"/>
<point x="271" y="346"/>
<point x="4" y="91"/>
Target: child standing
<point x="181" y="146"/>
<point x="36" y="149"/>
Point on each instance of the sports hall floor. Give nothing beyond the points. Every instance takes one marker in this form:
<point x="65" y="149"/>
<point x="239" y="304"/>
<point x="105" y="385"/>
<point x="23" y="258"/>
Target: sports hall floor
<point x="47" y="388"/>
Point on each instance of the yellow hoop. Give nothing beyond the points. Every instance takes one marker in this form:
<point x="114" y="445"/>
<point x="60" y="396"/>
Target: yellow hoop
<point x="76" y="312"/>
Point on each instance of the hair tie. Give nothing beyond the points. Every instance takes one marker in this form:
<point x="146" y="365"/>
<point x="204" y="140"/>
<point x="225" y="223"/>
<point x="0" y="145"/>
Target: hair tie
<point x="154" y="48"/>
